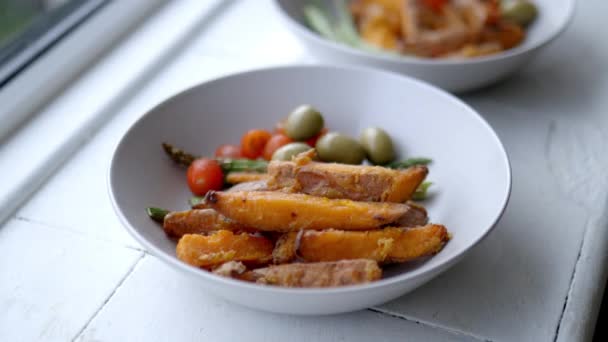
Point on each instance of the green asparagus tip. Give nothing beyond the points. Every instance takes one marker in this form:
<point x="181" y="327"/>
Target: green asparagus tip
<point x="157" y="214"/>
<point x="422" y="192"/>
<point x="178" y="156"/>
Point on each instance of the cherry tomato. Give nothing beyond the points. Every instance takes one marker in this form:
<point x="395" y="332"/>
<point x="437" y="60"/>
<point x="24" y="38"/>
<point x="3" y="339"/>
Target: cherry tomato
<point x="228" y="151"/>
<point x="313" y="141"/>
<point x="253" y="143"/>
<point x="493" y="12"/>
<point x="203" y="175"/>
<point x="435" y="5"/>
<point x="276" y="141"/>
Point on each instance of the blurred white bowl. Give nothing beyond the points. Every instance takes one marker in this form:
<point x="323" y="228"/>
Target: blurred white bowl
<point x="452" y="75"/>
<point x="470" y="169"/>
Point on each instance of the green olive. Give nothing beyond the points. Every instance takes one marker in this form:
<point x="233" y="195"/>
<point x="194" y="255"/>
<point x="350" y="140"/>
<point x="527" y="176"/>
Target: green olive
<point x="378" y="145"/>
<point x="303" y="123"/>
<point x="286" y="152"/>
<point x="339" y="148"/>
<point x="521" y="12"/>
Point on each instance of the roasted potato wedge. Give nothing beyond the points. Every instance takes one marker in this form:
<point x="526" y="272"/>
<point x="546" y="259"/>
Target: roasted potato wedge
<point x="285" y="247"/>
<point x="318" y="274"/>
<point x="283" y="212"/>
<point x="207" y="251"/>
<point x="387" y="245"/>
<point x="198" y="221"/>
<point x="354" y="182"/>
<point x="414" y="217"/>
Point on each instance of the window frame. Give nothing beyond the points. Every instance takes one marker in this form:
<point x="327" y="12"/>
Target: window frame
<point x="48" y="74"/>
<point x="41" y="34"/>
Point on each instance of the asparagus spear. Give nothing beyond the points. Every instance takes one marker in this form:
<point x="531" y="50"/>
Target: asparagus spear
<point x="345" y="26"/>
<point x="178" y="156"/>
<point x="318" y="20"/>
<point x="228" y="165"/>
<point x="421" y="193"/>
<point x="242" y="165"/>
<point x="336" y="23"/>
<point x="404" y="164"/>
<point x="157" y="214"/>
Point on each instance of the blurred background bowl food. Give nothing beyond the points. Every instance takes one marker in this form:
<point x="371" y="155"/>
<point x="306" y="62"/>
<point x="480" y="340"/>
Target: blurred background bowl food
<point x="455" y="75"/>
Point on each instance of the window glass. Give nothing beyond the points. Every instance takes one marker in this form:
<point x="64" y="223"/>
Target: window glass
<point x="29" y="27"/>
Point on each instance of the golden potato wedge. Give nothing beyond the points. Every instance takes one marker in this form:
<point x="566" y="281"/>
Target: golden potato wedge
<point x="285" y="246"/>
<point x="198" y="221"/>
<point x="378" y="32"/>
<point x="415" y="216"/>
<point x="207" y="251"/>
<point x="386" y="245"/>
<point x="318" y="274"/>
<point x="354" y="182"/>
<point x="242" y="177"/>
<point x="283" y="212"/>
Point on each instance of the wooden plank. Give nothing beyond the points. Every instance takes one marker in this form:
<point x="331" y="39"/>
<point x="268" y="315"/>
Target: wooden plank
<point x="156" y="303"/>
<point x="52" y="281"/>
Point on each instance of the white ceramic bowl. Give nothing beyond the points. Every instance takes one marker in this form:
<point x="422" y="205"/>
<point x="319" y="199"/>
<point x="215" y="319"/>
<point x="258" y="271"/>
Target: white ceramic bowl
<point x="452" y="75"/>
<point x="471" y="169"/>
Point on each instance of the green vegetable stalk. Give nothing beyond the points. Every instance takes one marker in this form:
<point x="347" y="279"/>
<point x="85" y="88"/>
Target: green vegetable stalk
<point x="178" y="156"/>
<point x="319" y="22"/>
<point x="336" y="23"/>
<point x="228" y="165"/>
<point x="421" y="193"/>
<point x="242" y="165"/>
<point x="404" y="164"/>
<point x="157" y="214"/>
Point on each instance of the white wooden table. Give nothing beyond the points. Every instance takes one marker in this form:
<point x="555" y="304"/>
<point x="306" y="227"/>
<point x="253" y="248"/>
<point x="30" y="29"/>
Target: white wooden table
<point x="69" y="271"/>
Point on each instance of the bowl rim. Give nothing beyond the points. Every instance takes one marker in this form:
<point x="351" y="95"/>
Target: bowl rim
<point x="405" y="59"/>
<point x="418" y="272"/>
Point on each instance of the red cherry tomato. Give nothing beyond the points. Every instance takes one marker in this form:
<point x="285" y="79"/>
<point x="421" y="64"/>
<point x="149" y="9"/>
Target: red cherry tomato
<point x="493" y="12"/>
<point x="313" y="141"/>
<point x="435" y="5"/>
<point x="276" y="141"/>
<point x="203" y="175"/>
<point x="228" y="151"/>
<point x="253" y="143"/>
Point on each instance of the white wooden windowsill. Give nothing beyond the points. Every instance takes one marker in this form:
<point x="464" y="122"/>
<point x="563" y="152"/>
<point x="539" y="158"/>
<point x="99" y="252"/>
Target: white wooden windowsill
<point x="538" y="277"/>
